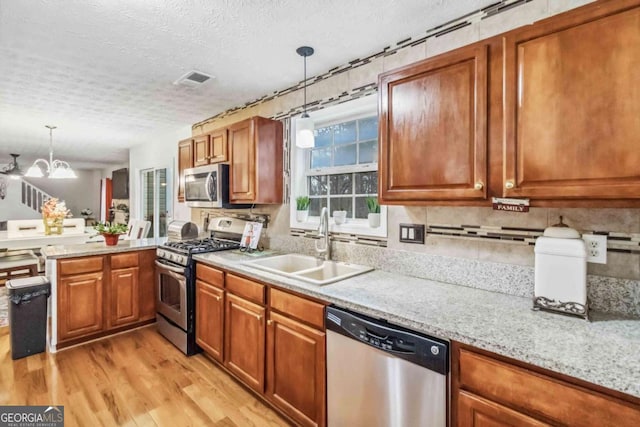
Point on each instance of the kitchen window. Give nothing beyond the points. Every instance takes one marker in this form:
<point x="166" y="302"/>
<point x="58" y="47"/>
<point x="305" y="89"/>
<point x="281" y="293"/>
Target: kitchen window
<point x="341" y="171"/>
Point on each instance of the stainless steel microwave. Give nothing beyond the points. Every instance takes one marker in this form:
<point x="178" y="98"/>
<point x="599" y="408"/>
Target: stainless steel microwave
<point x="208" y="187"/>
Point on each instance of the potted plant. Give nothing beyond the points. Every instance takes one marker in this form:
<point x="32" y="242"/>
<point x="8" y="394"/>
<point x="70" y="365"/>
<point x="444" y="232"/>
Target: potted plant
<point x="302" y="208"/>
<point x="374" y="212"/>
<point x="110" y="232"/>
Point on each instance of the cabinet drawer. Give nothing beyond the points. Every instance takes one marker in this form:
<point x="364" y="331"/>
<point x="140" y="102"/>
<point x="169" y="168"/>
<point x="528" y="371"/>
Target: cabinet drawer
<point x="210" y="275"/>
<point x="67" y="267"/>
<point x="541" y="395"/>
<point x="300" y="308"/>
<point x="125" y="260"/>
<point x="248" y="289"/>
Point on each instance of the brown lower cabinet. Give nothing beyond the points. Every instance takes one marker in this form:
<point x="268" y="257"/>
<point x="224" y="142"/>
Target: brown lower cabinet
<point x="274" y="341"/>
<point x="210" y="319"/>
<point x="80" y="305"/>
<point x="296" y="372"/>
<point x="244" y="329"/>
<point x="124" y="296"/>
<point x="97" y="294"/>
<point x="491" y="390"/>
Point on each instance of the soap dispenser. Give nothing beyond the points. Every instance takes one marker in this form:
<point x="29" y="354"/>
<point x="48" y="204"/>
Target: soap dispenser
<point x="561" y="272"/>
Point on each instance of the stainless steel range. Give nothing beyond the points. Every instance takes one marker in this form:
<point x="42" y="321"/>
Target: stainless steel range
<point x="175" y="272"/>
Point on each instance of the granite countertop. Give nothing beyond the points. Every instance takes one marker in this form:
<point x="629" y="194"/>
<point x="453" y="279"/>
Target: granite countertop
<point x="99" y="248"/>
<point x="604" y="351"/>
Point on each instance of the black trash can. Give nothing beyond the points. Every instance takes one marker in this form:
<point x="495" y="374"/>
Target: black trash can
<point x="28" y="315"/>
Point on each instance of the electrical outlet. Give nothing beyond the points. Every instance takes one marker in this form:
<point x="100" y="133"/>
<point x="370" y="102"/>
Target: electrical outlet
<point x="596" y="248"/>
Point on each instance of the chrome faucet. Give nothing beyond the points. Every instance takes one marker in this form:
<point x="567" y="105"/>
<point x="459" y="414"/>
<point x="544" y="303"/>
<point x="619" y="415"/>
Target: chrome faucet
<point x="323" y="244"/>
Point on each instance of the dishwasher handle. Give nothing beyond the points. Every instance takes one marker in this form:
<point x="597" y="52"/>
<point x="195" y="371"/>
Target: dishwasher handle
<point x="422" y="350"/>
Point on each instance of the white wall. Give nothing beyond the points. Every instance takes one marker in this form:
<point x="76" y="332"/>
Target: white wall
<point x="159" y="153"/>
<point x="80" y="193"/>
<point x="106" y="173"/>
<point x="11" y="206"/>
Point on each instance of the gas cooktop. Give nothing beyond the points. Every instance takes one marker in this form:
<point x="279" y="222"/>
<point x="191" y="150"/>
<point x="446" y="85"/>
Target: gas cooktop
<point x="201" y="245"/>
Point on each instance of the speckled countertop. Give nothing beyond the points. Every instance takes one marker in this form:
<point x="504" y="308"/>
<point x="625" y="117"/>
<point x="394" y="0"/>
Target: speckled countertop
<point x="604" y="351"/>
<point x="98" y="248"/>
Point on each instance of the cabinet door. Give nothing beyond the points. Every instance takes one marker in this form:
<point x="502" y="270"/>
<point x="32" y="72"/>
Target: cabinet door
<point x="147" y="284"/>
<point x="433" y="129"/>
<point x="210" y="319"/>
<point x="296" y="369"/>
<point x="244" y="330"/>
<point x="218" y="146"/>
<point x="79" y="305"/>
<point x="572" y="107"/>
<point x="242" y="161"/>
<point x="124" y="295"/>
<point x="185" y="161"/>
<point x="474" y="411"/>
<point x="201" y="150"/>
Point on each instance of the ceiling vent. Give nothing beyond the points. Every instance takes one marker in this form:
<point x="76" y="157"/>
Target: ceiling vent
<point x="193" y="78"/>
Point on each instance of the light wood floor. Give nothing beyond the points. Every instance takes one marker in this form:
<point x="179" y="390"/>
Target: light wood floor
<point x="133" y="379"/>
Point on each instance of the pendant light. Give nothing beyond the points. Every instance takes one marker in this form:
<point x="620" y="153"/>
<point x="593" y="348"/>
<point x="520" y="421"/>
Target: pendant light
<point x="304" y="124"/>
<point x="55" y="169"/>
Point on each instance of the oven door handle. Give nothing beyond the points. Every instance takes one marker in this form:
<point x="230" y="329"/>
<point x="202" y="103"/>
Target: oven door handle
<point x="177" y="270"/>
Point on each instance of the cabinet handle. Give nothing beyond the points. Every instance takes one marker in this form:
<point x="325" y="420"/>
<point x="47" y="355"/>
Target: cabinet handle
<point x="269" y="322"/>
<point x="478" y="185"/>
<point x="509" y="185"/>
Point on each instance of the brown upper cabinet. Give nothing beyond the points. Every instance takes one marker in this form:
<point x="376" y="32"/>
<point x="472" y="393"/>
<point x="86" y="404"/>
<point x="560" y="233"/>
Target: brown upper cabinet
<point x="210" y="148"/>
<point x="185" y="161"/>
<point x="433" y="129"/>
<point x="572" y="105"/>
<point x="255" y="158"/>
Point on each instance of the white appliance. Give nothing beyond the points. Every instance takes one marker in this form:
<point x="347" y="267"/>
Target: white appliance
<point x="561" y="272"/>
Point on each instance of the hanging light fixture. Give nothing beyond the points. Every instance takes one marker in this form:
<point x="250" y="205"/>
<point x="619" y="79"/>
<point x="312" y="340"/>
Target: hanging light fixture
<point x="304" y="124"/>
<point x="12" y="170"/>
<point x="55" y="169"/>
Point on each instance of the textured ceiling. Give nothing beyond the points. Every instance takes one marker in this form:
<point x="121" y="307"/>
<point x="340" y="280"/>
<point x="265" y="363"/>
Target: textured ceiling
<point x="102" y="70"/>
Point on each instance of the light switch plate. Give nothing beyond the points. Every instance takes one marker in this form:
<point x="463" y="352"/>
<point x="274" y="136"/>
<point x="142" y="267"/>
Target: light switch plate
<point x="411" y="233"/>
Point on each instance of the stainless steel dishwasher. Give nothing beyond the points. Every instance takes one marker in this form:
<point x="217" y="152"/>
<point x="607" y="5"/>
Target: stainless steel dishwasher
<point x="383" y="375"/>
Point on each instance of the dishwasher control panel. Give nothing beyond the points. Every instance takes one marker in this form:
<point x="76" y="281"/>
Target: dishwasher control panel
<point x="426" y="351"/>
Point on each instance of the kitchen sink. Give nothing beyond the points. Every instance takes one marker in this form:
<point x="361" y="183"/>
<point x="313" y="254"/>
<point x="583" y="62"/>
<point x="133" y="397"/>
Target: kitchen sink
<point x="308" y="268"/>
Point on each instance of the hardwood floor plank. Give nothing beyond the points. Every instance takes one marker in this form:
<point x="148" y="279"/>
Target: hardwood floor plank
<point x="132" y="379"/>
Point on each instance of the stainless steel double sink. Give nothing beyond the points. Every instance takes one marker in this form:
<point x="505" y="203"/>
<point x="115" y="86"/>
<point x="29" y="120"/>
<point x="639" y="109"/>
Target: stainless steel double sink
<point x="308" y="268"/>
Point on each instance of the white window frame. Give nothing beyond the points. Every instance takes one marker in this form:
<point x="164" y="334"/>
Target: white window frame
<point x="300" y="158"/>
<point x="156" y="196"/>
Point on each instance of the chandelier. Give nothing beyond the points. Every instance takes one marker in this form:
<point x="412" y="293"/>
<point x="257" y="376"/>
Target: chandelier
<point x="55" y="169"/>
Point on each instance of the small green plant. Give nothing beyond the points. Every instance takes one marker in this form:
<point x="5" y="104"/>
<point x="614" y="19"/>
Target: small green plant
<point x="302" y="203"/>
<point x="109" y="228"/>
<point x="373" y="205"/>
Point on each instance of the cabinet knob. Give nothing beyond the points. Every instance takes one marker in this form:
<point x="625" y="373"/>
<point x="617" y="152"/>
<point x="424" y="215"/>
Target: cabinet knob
<point x="478" y="185"/>
<point x="509" y="185"/>
<point x="269" y="322"/>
